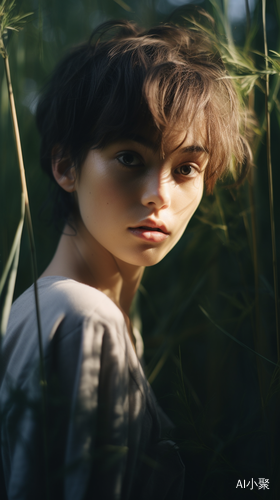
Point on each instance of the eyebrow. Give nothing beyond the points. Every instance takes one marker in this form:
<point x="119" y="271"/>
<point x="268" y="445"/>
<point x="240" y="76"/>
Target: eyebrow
<point x="142" y="140"/>
<point x="193" y="148"/>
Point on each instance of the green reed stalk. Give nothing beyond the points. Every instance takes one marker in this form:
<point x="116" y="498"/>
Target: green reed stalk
<point x="254" y="229"/>
<point x="257" y="329"/>
<point x="32" y="248"/>
<point x="255" y="257"/>
<point x="248" y="16"/>
<point x="270" y="184"/>
<point x="27" y="211"/>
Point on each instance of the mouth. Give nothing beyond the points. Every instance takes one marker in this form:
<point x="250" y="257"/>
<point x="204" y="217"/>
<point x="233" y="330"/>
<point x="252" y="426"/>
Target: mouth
<point x="147" y="228"/>
<point x="152" y="225"/>
<point x="148" y="233"/>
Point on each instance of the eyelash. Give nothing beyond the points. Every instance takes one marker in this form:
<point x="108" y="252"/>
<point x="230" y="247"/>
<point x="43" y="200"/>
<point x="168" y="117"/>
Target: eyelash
<point x="130" y="153"/>
<point x="195" y="170"/>
<point x="141" y="163"/>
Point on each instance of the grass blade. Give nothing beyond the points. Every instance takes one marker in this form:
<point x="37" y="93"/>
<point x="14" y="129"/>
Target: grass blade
<point x="9" y="274"/>
<point x="235" y="339"/>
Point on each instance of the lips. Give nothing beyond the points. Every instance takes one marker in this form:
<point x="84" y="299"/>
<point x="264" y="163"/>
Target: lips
<point x="150" y="231"/>
<point x="147" y="228"/>
<point x="151" y="225"/>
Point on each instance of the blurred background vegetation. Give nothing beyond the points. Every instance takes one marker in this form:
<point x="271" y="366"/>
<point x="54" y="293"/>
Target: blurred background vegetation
<point x="215" y="290"/>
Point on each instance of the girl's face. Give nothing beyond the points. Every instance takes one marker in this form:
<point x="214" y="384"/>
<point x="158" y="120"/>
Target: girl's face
<point x="136" y="204"/>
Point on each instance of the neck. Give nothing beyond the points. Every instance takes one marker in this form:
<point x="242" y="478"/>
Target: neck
<point x="80" y="257"/>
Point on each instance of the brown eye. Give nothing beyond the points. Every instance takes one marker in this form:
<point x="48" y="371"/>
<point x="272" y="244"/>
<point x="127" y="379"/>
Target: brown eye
<point x="186" y="169"/>
<point x="129" y="159"/>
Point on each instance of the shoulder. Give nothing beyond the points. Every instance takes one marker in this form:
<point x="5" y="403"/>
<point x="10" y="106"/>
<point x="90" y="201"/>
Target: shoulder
<point x="78" y="322"/>
<point x="67" y="307"/>
<point x="66" y="296"/>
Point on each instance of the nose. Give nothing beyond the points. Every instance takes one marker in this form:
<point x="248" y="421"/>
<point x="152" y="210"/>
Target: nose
<point x="156" y="192"/>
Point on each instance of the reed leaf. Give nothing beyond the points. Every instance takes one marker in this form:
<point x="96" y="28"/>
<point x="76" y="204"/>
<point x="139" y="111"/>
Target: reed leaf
<point x="274" y="52"/>
<point x="213" y="225"/>
<point x="9" y="21"/>
<point x="159" y="366"/>
<point x="124" y="5"/>
<point x="27" y="208"/>
<point x="8" y="277"/>
<point x="235" y="339"/>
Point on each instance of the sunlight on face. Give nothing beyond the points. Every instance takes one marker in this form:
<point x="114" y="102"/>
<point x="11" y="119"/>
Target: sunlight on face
<point x="134" y="203"/>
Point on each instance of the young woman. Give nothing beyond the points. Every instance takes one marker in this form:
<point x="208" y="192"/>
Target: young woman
<point x="133" y="125"/>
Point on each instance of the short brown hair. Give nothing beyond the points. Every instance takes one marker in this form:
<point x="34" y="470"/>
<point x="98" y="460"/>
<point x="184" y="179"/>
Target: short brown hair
<point x="125" y="78"/>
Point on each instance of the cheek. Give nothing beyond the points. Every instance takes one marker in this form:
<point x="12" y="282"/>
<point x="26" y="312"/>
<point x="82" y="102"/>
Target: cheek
<point x="185" y="204"/>
<point x="103" y="199"/>
<point x="187" y="200"/>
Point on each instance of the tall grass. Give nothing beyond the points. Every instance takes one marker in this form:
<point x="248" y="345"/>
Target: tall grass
<point x="10" y="21"/>
<point x="212" y="367"/>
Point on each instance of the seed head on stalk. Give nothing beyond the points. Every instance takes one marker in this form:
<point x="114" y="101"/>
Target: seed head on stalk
<point x="9" y="21"/>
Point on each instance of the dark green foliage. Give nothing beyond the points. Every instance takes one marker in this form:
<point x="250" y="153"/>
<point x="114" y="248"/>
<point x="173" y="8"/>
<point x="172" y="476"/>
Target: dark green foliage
<point x="223" y="399"/>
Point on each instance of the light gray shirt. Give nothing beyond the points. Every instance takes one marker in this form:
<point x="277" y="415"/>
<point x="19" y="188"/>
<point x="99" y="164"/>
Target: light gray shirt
<point x="105" y="431"/>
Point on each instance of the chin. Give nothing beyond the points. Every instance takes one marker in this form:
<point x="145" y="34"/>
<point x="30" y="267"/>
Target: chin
<point x="146" y="258"/>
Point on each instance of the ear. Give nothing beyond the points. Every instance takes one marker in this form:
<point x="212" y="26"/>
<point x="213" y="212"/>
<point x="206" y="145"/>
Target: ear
<point x="64" y="172"/>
